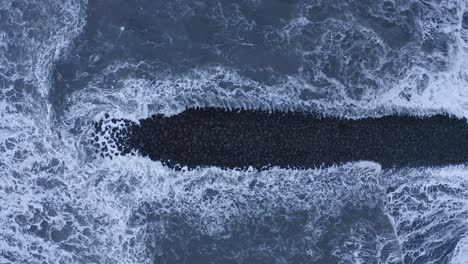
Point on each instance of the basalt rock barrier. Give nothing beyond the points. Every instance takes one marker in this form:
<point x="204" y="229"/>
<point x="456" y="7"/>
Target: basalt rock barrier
<point x="243" y="138"/>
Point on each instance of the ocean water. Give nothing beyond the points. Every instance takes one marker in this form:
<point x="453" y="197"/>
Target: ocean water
<point x="65" y="63"/>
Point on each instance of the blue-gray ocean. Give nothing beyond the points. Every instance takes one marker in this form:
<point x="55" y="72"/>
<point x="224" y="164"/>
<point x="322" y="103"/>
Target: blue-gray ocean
<point x="65" y="63"/>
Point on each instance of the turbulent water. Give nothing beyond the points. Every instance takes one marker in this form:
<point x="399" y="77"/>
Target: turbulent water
<point x="64" y="63"/>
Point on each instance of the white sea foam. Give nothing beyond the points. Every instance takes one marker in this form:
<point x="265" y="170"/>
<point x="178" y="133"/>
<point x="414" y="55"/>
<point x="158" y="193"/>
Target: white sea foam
<point x="49" y="177"/>
<point x="426" y="202"/>
<point x="461" y="252"/>
<point x="34" y="34"/>
<point x="429" y="208"/>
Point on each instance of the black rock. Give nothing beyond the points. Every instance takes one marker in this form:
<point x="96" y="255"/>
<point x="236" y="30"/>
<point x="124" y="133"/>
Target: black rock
<point x="242" y="138"/>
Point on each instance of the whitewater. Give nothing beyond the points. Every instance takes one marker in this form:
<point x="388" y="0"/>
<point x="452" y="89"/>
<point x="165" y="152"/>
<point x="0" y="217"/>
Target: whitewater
<point x="62" y="203"/>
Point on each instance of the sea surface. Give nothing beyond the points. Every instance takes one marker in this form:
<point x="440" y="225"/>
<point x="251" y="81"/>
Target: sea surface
<point x="65" y="63"/>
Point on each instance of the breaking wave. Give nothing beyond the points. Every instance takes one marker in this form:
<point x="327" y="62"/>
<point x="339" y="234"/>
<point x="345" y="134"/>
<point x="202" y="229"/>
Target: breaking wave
<point x="61" y="204"/>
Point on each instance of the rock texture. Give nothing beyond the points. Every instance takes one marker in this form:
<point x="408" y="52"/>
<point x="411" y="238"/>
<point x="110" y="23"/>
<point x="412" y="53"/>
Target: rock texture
<point x="243" y="138"/>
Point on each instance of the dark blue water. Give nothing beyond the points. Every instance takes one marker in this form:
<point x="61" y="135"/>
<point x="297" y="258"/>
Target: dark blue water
<point x="64" y="63"/>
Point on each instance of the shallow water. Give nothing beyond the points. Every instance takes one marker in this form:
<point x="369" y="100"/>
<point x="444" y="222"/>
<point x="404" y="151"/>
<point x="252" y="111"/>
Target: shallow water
<point x="66" y="63"/>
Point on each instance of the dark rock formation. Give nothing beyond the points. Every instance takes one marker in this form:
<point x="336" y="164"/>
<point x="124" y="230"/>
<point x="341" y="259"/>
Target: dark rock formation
<point x="242" y="138"/>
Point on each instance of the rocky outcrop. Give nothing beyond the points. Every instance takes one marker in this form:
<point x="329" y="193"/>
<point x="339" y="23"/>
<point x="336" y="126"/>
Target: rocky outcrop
<point x="242" y="138"/>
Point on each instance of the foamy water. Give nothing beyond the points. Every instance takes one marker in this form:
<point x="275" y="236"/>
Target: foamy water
<point x="59" y="203"/>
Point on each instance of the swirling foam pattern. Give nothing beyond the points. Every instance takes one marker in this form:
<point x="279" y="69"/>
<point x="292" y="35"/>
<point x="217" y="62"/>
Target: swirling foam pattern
<point x="66" y="63"/>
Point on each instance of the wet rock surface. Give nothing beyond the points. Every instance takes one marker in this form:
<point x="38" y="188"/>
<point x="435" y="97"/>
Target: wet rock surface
<point x="243" y="138"/>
